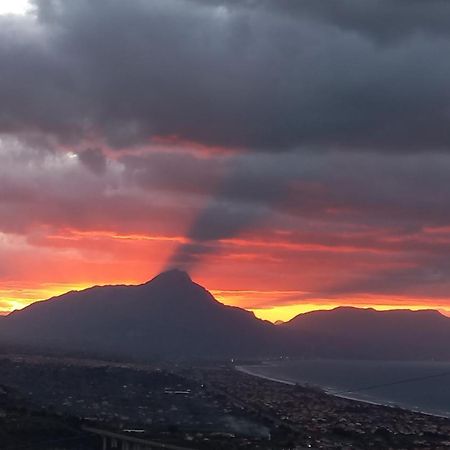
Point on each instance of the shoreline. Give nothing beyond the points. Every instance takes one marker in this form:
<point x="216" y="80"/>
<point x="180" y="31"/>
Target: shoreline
<point x="244" y="369"/>
<point x="328" y="391"/>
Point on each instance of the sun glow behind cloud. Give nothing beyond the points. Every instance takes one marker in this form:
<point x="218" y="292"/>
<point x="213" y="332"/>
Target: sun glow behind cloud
<point x="19" y="7"/>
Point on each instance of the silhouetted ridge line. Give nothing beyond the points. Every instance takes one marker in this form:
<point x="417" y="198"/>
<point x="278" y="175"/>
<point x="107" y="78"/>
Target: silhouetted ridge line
<point x="171" y="316"/>
<point x="172" y="275"/>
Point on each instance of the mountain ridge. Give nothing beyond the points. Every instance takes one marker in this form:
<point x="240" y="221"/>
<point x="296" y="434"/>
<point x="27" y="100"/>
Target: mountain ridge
<point x="349" y="332"/>
<point x="168" y="315"/>
<point x="349" y="310"/>
<point x="172" y="316"/>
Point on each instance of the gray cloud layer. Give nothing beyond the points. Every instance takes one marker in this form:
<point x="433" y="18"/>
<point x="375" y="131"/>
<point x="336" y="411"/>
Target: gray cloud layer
<point x="260" y="75"/>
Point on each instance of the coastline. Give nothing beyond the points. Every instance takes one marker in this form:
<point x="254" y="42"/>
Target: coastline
<point x="248" y="370"/>
<point x="245" y="369"/>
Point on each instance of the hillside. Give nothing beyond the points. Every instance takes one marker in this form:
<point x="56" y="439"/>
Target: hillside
<point x="366" y="333"/>
<point x="167" y="316"/>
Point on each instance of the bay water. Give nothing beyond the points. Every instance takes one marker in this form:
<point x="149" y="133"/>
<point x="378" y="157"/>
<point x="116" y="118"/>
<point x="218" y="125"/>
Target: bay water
<point x="416" y="385"/>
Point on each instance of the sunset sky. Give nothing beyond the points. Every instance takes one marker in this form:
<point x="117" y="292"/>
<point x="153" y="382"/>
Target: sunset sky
<point x="289" y="154"/>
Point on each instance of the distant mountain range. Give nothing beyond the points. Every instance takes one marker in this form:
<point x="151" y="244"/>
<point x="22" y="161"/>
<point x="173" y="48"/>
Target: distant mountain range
<point x="347" y="332"/>
<point x="171" y="316"/>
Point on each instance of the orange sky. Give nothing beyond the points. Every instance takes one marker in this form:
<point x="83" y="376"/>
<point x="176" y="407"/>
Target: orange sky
<point x="277" y="242"/>
<point x="247" y="272"/>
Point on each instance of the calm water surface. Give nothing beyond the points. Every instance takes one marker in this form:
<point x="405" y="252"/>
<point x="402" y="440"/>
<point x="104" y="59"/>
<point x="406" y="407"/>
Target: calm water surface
<point x="422" y="386"/>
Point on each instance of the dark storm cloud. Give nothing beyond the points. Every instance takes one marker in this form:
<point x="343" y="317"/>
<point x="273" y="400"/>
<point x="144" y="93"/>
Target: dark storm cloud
<point x="427" y="277"/>
<point x="404" y="191"/>
<point x="383" y="20"/>
<point x="325" y="197"/>
<point x="369" y="203"/>
<point x="231" y="74"/>
<point x="220" y="219"/>
<point x="93" y="159"/>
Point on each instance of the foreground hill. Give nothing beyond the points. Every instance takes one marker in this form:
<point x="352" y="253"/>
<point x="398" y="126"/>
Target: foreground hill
<point x="168" y="316"/>
<point x="366" y="333"/>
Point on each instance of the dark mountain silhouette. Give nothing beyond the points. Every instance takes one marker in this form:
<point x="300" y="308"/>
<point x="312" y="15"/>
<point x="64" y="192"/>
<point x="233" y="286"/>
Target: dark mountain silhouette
<point x="171" y="316"/>
<point x="168" y="316"/>
<point x="366" y="333"/>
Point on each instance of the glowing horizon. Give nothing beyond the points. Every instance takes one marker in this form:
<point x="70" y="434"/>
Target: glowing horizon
<point x="17" y="7"/>
<point x="19" y="298"/>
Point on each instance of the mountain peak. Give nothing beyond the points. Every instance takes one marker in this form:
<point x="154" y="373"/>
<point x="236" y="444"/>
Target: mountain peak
<point x="172" y="276"/>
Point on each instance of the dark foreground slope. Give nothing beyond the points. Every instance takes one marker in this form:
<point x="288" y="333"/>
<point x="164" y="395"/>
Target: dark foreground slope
<point x="24" y="425"/>
<point x="168" y="316"/>
<point x="347" y="332"/>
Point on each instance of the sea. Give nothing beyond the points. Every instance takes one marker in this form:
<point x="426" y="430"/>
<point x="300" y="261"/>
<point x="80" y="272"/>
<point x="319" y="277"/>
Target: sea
<point x="422" y="386"/>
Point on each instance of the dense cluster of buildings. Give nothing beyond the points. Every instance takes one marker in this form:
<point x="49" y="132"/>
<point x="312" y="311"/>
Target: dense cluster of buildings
<point x="146" y="402"/>
<point x="199" y="407"/>
<point x="315" y="419"/>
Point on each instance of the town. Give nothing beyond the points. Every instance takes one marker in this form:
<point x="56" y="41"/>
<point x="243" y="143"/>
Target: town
<point x="202" y="405"/>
